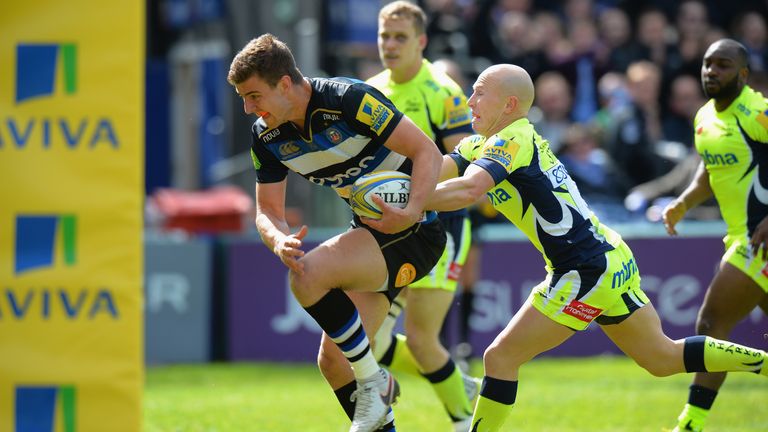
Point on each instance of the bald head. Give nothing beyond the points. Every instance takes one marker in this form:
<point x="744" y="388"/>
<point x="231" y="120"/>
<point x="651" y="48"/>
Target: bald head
<point x="731" y="49"/>
<point x="501" y="95"/>
<point x="511" y="80"/>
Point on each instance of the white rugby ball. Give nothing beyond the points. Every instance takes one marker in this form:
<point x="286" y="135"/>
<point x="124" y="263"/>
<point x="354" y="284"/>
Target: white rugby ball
<point x="393" y="187"/>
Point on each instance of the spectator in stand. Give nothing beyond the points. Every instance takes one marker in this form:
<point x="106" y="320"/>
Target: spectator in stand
<point x="518" y="43"/>
<point x="616" y="34"/>
<point x="692" y="24"/>
<point x="486" y="22"/>
<point x="751" y="32"/>
<point x="685" y="99"/>
<point x="551" y="37"/>
<point x="596" y="175"/>
<point x="614" y="102"/>
<point x="446" y="29"/>
<point x="551" y="115"/>
<point x="632" y="144"/>
<point x="655" y="36"/>
<point x="583" y="69"/>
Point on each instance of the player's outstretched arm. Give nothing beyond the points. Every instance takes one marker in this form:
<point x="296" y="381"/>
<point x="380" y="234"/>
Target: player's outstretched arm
<point x="273" y="228"/>
<point x="696" y="193"/>
<point x="461" y="192"/>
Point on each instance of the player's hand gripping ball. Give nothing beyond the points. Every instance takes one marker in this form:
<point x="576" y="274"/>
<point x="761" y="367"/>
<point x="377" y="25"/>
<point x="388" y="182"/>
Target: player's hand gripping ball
<point x="393" y="187"/>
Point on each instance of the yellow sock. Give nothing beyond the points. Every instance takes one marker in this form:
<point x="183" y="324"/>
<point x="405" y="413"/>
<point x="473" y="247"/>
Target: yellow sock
<point x="494" y="404"/>
<point x="449" y="386"/>
<point x="706" y="354"/>
<point x="402" y="359"/>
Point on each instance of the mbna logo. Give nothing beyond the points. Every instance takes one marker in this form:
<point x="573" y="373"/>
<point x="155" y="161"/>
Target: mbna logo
<point x="711" y="159"/>
<point x="41" y="408"/>
<point x="38" y="66"/>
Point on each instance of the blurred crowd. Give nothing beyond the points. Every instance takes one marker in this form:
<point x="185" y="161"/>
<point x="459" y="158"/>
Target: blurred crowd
<point x="617" y="82"/>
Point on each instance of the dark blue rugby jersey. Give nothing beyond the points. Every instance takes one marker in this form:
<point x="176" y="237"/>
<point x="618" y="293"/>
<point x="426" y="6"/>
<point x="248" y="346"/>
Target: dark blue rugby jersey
<point x="347" y="122"/>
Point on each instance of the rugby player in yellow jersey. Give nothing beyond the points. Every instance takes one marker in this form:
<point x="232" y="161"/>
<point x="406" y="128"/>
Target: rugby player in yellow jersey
<point x="591" y="272"/>
<point x="731" y="136"/>
<point x="439" y="107"/>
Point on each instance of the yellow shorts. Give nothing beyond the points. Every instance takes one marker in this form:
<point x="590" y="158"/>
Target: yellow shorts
<point x="739" y="254"/>
<point x="445" y="274"/>
<point x="606" y="289"/>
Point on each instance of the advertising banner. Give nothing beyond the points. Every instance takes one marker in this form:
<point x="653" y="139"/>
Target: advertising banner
<point x="266" y="323"/>
<point x="71" y="155"/>
<point x="177" y="300"/>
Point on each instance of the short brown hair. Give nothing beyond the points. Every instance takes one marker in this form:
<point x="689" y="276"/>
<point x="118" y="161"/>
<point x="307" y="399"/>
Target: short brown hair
<point x="266" y="56"/>
<point x="402" y="9"/>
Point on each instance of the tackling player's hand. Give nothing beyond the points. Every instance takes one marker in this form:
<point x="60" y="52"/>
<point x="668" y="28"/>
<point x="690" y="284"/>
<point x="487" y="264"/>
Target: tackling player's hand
<point x="759" y="238"/>
<point x="288" y="249"/>
<point x="393" y="219"/>
<point x="672" y="214"/>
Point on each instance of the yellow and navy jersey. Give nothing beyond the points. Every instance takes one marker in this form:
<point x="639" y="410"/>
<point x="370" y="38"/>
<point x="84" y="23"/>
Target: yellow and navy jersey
<point x="533" y="190"/>
<point x="732" y="145"/>
<point x="431" y="99"/>
<point x="347" y="123"/>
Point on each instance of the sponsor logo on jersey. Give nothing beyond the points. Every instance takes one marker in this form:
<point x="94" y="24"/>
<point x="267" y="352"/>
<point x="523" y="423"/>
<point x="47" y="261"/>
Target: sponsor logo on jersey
<point x="405" y="275"/>
<point x="741" y="107"/>
<point x="331" y="117"/>
<point x="288" y="149"/>
<point x="501" y="151"/>
<point x="718" y="159"/>
<point x="454" y="271"/>
<point x="556" y="175"/>
<point x="456" y="111"/>
<point x="582" y="311"/>
<point x="628" y="270"/>
<point x="498" y="196"/>
<point x="269" y="136"/>
<point x="374" y="114"/>
<point x="342" y="178"/>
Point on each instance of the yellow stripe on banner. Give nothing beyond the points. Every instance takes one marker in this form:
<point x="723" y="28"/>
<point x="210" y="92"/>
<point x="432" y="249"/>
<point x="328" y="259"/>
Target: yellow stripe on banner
<point x="71" y="144"/>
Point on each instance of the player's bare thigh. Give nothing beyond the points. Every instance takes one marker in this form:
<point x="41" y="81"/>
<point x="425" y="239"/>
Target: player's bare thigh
<point x="351" y="261"/>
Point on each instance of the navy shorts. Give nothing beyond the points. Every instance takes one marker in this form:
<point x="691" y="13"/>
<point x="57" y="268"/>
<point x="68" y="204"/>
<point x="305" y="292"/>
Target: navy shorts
<point x="409" y="254"/>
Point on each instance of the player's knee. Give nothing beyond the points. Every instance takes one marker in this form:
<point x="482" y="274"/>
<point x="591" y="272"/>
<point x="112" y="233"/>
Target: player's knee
<point x="301" y="285"/>
<point x="497" y="359"/>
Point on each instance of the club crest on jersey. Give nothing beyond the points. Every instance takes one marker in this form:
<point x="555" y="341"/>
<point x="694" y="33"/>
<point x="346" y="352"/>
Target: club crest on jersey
<point x="333" y="135"/>
<point x="374" y="114"/>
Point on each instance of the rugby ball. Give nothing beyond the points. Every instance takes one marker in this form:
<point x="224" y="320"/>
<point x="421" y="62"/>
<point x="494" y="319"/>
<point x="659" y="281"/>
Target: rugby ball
<point x="393" y="187"/>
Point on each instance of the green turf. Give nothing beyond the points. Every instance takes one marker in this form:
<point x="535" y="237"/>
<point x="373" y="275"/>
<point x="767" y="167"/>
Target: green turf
<point x="586" y="394"/>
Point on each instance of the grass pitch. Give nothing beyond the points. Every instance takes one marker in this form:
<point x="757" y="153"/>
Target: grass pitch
<point x="584" y="394"/>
